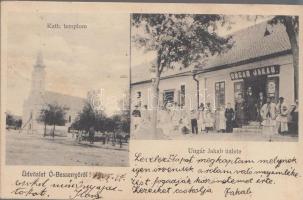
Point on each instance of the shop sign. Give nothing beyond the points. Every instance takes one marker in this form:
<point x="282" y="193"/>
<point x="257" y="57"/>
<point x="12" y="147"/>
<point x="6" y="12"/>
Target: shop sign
<point x="268" y="70"/>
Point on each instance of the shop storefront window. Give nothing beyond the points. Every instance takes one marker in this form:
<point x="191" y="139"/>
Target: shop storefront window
<point x="238" y="89"/>
<point x="272" y="88"/>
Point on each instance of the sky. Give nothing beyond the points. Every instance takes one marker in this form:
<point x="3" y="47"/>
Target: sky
<point x="237" y="22"/>
<point x="76" y="60"/>
<point x="79" y="60"/>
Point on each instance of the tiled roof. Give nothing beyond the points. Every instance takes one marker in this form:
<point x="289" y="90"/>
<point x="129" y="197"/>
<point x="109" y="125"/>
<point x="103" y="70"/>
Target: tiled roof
<point x="142" y="72"/>
<point x="249" y="43"/>
<point x="72" y="102"/>
<point x="252" y="43"/>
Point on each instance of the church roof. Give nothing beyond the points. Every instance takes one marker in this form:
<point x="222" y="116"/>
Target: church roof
<point x="72" y="102"/>
<point x="249" y="43"/>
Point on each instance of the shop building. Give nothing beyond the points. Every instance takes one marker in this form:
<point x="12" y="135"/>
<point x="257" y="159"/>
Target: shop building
<point x="260" y="59"/>
<point x="262" y="62"/>
<point x="177" y="88"/>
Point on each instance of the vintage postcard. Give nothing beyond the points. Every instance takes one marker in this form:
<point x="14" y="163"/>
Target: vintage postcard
<point x="225" y="77"/>
<point x="64" y="85"/>
<point x="150" y="101"/>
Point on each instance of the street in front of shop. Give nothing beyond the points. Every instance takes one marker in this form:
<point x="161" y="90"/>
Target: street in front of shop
<point x="236" y="136"/>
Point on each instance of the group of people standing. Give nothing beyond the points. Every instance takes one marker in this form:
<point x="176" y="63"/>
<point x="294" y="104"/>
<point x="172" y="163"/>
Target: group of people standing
<point x="206" y="119"/>
<point x="175" y="118"/>
<point x="278" y="118"/>
<point x="274" y="117"/>
<point x="249" y="109"/>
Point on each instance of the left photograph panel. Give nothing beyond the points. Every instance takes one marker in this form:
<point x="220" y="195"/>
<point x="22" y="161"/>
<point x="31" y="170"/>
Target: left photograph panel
<point x="67" y="89"/>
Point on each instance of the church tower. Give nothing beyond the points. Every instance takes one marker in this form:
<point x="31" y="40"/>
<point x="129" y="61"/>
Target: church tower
<point x="38" y="78"/>
<point x="33" y="104"/>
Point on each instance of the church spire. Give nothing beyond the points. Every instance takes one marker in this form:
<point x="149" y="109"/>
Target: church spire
<point x="39" y="61"/>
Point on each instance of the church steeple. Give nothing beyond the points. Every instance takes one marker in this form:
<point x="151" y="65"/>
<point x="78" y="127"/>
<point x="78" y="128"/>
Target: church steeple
<point x="38" y="78"/>
<point x="33" y="105"/>
<point x="39" y="61"/>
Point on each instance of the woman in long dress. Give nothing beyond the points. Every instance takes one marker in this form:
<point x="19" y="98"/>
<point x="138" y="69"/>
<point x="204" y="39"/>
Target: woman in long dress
<point x="268" y="113"/>
<point x="201" y="124"/>
<point x="282" y="117"/>
<point x="221" y="120"/>
<point x="240" y="110"/>
<point x="229" y="115"/>
<point x="260" y="102"/>
<point x="160" y="118"/>
<point x="174" y="117"/>
<point x="184" y="122"/>
<point x="284" y="120"/>
<point x="145" y="115"/>
<point x="177" y="116"/>
<point x="208" y="119"/>
<point x="293" y="118"/>
<point x="165" y="120"/>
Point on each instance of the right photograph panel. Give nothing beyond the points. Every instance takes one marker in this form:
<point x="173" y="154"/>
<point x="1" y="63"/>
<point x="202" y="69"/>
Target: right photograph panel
<point x="214" y="77"/>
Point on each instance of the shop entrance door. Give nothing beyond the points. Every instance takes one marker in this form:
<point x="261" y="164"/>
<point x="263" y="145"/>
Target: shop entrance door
<point x="255" y="85"/>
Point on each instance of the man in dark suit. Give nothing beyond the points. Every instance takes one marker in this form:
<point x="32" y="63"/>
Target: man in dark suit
<point x="251" y="105"/>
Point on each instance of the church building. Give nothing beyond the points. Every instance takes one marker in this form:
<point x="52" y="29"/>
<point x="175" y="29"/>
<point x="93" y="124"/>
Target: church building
<point x="39" y="97"/>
